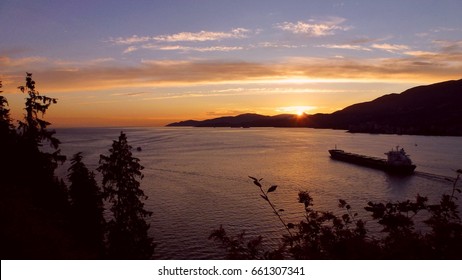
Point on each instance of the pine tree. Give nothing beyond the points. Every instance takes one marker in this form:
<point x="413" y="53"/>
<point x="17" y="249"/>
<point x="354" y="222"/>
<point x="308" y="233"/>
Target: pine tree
<point x="6" y="127"/>
<point x="33" y="133"/>
<point x="7" y="140"/>
<point x="86" y="204"/>
<point x="128" y="230"/>
<point x="5" y="121"/>
<point x="35" y="165"/>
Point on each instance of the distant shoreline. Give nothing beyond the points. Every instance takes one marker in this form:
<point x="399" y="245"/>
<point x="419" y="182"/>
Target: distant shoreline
<point x="124" y="128"/>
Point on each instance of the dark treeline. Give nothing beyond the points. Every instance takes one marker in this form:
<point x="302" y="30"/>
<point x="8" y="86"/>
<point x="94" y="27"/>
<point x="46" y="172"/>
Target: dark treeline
<point x="42" y="217"/>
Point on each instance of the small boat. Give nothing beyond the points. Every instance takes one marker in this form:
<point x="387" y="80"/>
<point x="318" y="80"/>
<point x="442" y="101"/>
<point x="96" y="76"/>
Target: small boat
<point x="397" y="162"/>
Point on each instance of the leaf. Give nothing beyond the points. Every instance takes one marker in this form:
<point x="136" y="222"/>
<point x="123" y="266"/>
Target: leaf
<point x="272" y="189"/>
<point x="256" y="181"/>
<point x="264" y="197"/>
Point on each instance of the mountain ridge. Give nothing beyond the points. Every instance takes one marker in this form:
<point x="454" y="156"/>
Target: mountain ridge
<point x="434" y="109"/>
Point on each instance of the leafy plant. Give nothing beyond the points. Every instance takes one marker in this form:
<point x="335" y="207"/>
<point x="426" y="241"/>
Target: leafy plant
<point x="325" y="235"/>
<point x="265" y="196"/>
<point x="237" y="247"/>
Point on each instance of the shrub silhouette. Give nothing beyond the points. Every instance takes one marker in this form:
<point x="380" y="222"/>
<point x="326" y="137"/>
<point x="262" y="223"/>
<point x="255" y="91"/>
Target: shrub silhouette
<point x="324" y="235"/>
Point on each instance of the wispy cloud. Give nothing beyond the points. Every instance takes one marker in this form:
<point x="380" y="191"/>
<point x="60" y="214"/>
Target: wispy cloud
<point x="130" y="49"/>
<point x="444" y="62"/>
<point x="393" y="48"/>
<point x="130" y="40"/>
<point x="345" y="47"/>
<point x="276" y="45"/>
<point x="420" y="53"/>
<point x="6" y="61"/>
<point x="227" y="112"/>
<point x="444" y="29"/>
<point x="203" y="36"/>
<point x="314" y="28"/>
<point x="130" y="94"/>
<point x="449" y="46"/>
<point x="240" y="91"/>
<point x="295" y="109"/>
<point x="190" y="49"/>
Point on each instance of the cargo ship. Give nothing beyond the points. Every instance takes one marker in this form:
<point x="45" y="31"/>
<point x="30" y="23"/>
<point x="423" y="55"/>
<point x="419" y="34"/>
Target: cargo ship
<point x="397" y="162"/>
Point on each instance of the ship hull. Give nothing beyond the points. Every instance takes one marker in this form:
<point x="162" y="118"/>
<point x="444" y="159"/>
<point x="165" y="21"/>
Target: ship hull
<point x="372" y="162"/>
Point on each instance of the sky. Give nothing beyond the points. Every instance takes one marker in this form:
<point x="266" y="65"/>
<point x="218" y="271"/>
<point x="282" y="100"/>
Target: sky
<point x="149" y="63"/>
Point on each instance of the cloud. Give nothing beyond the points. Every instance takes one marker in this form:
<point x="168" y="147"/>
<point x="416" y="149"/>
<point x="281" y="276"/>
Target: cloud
<point x="203" y="36"/>
<point x="240" y="91"/>
<point x="420" y="53"/>
<point x="393" y="48"/>
<point x="130" y="40"/>
<point x="228" y="112"/>
<point x="130" y="49"/>
<point x="444" y="29"/>
<point x="295" y="109"/>
<point x="6" y="61"/>
<point x="131" y="94"/>
<point x="313" y="28"/>
<point x="105" y="74"/>
<point x="190" y="49"/>
<point x="345" y="47"/>
<point x="275" y="45"/>
<point x="449" y="46"/>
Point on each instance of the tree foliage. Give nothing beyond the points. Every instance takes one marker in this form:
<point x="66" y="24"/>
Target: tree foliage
<point x="74" y="219"/>
<point x="33" y="129"/>
<point x="7" y="137"/>
<point x="127" y="231"/>
<point x="325" y="235"/>
<point x="36" y="164"/>
<point x="6" y="126"/>
<point x="86" y="203"/>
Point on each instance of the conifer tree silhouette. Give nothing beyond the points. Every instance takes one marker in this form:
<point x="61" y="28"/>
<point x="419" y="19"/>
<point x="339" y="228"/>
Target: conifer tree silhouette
<point x="128" y="230"/>
<point x="86" y="204"/>
<point x="33" y="133"/>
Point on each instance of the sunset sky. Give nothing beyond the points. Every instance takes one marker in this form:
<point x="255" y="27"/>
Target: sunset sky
<point x="154" y="62"/>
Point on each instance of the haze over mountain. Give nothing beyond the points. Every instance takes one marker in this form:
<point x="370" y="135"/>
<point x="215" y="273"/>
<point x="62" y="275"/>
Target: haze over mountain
<point x="434" y="109"/>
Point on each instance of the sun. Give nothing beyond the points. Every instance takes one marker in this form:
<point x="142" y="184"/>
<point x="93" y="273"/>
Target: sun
<point x="296" y="110"/>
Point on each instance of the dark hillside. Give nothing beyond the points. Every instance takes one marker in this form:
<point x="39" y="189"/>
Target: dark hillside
<point x="431" y="110"/>
<point x="434" y="109"/>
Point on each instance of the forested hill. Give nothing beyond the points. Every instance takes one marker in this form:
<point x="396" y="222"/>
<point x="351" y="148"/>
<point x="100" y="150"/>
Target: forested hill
<point x="246" y="120"/>
<point x="434" y="109"/>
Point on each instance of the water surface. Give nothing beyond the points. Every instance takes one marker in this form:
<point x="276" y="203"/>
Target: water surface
<point x="197" y="178"/>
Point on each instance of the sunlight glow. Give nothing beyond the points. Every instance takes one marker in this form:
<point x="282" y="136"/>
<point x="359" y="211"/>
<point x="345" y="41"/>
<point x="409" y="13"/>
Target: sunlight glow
<point x="298" y="110"/>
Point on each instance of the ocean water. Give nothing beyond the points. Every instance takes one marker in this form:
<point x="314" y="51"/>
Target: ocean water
<point x="197" y="178"/>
